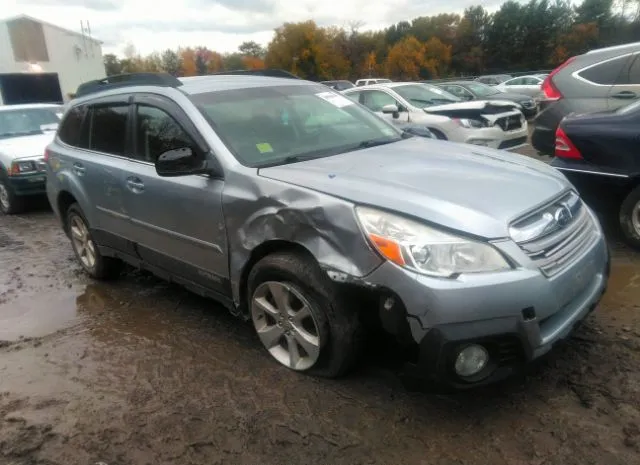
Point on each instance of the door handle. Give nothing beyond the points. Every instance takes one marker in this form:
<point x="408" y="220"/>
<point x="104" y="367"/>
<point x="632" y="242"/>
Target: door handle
<point x="135" y="184"/>
<point x="78" y="169"/>
<point x="625" y="94"/>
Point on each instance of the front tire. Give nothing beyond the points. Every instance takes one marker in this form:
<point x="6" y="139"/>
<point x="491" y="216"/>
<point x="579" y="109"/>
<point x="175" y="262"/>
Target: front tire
<point x="10" y="203"/>
<point x="301" y="317"/>
<point x="439" y="135"/>
<point x="86" y="250"/>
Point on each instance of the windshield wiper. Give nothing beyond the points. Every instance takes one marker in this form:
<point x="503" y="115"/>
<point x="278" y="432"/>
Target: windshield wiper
<point x="375" y="142"/>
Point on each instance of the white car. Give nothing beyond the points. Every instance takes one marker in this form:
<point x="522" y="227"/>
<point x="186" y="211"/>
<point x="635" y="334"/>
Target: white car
<point x="530" y="85"/>
<point x="25" y="132"/>
<point x="496" y="124"/>
<point x="370" y="81"/>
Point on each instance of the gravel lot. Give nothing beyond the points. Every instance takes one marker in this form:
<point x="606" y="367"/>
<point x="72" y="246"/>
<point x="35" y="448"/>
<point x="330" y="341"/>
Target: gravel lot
<point x="141" y="372"/>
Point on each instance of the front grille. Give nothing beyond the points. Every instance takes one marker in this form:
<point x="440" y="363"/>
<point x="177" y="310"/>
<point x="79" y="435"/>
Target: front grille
<point x="509" y="123"/>
<point x="553" y="252"/>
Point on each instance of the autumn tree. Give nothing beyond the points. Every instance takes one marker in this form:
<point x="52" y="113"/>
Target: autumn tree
<point x="306" y="50"/>
<point x="406" y="59"/>
<point x="188" y="59"/>
<point x="578" y="40"/>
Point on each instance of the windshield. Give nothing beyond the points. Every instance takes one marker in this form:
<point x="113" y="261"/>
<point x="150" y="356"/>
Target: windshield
<point x="425" y="95"/>
<point x="284" y="124"/>
<point x="482" y="90"/>
<point x="28" y="121"/>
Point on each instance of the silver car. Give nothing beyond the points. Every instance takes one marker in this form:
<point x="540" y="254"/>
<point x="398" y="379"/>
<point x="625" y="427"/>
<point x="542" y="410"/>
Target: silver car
<point x="306" y="214"/>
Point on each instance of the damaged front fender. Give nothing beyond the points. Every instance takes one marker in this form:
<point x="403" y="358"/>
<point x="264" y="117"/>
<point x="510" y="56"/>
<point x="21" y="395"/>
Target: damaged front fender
<point x="259" y="210"/>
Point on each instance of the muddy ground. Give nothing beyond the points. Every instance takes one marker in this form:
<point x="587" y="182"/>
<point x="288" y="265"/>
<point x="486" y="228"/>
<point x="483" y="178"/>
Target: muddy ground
<point x="141" y="372"/>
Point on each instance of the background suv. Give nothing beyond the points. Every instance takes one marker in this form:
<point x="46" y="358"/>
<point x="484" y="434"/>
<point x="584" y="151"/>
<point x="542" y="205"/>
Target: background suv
<point x="602" y="79"/>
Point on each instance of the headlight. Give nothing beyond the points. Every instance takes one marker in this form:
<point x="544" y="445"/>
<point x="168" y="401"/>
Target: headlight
<point x="427" y="250"/>
<point x="470" y="123"/>
<point x="20" y="167"/>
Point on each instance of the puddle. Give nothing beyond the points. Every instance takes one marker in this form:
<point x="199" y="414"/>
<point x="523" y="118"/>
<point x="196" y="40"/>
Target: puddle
<point x="37" y="315"/>
<point x="623" y="290"/>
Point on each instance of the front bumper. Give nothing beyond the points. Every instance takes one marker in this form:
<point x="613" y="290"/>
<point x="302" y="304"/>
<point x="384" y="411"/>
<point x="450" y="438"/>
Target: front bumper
<point x="496" y="138"/>
<point x="28" y="184"/>
<point x="517" y="315"/>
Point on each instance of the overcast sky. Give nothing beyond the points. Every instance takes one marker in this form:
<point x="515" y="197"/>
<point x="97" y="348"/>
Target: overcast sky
<point x="221" y="25"/>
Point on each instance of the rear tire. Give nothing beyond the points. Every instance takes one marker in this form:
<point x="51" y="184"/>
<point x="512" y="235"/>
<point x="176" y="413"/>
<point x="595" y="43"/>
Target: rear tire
<point x="86" y="250"/>
<point x="10" y="203"/>
<point x="630" y="218"/>
<point x="329" y="329"/>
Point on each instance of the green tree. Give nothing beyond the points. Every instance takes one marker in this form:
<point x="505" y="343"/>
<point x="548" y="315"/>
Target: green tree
<point x="112" y="64"/>
<point x="171" y="62"/>
<point x="251" y="49"/>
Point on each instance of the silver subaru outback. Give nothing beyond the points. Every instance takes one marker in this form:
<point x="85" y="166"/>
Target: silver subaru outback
<point x="305" y="213"/>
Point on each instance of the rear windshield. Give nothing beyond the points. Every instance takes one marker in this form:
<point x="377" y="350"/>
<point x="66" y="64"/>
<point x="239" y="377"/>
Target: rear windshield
<point x="282" y="124"/>
<point x="29" y="121"/>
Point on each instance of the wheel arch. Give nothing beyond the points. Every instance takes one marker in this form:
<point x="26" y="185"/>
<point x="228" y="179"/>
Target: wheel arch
<point x="64" y="200"/>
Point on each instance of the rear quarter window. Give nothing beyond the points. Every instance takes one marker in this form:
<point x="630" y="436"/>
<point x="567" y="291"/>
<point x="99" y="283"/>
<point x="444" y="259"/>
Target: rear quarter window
<point x="606" y="72"/>
<point x="71" y="126"/>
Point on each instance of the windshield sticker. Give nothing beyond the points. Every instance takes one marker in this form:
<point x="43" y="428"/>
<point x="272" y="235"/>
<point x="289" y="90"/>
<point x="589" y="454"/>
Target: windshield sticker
<point x="264" y="147"/>
<point x="335" y="99"/>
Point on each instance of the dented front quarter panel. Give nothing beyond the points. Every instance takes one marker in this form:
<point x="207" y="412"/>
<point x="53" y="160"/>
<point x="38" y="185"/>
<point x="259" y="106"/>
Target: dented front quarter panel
<point x="258" y="210"/>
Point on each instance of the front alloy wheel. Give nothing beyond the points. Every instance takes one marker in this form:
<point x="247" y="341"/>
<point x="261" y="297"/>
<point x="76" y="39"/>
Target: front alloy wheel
<point x="285" y="324"/>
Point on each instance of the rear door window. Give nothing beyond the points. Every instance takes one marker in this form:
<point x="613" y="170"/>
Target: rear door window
<point x="108" y="128"/>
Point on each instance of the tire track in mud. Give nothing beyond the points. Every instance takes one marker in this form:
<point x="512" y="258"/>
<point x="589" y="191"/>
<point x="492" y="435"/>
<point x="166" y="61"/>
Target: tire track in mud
<point x="146" y="373"/>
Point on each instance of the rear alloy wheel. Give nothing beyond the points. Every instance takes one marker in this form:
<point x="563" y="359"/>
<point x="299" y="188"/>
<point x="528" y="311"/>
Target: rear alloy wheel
<point x="630" y="218"/>
<point x="285" y="325"/>
<point x="9" y="202"/>
<point x="86" y="250"/>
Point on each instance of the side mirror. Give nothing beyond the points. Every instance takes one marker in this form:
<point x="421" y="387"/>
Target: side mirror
<point x="181" y="162"/>
<point x="391" y="109"/>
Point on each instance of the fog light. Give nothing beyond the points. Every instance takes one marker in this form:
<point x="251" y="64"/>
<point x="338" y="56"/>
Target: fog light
<point x="471" y="360"/>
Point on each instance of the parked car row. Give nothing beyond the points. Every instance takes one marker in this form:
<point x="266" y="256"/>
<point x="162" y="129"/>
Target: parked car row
<point x="309" y="215"/>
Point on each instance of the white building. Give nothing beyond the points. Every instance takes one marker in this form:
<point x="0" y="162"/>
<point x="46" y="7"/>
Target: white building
<point x="31" y="47"/>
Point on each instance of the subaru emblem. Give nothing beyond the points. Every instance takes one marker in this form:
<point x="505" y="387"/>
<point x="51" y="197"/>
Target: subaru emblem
<point x="562" y="216"/>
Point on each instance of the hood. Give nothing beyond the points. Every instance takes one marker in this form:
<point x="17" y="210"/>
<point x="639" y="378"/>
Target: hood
<point x="489" y="110"/>
<point x="26" y="146"/>
<point x="459" y="186"/>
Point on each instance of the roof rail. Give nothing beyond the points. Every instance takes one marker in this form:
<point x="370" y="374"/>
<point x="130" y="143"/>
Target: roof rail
<point x="125" y="80"/>
<point x="280" y="73"/>
<point x="614" y="47"/>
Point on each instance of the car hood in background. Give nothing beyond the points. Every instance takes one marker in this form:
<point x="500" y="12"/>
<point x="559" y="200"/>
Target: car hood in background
<point x="26" y="146"/>
<point x="459" y="186"/>
<point x="487" y="109"/>
<point x="509" y="96"/>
